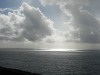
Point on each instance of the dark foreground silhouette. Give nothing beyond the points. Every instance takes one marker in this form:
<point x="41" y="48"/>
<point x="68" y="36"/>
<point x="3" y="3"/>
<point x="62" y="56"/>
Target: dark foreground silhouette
<point x="8" y="71"/>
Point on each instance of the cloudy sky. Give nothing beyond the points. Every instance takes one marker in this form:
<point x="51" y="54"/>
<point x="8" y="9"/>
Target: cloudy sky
<point x="50" y="23"/>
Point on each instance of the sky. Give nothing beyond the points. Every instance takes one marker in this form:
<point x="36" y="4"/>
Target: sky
<point x="50" y="23"/>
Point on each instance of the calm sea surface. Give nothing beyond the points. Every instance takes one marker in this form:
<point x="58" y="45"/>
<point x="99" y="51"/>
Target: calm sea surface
<point x="85" y="62"/>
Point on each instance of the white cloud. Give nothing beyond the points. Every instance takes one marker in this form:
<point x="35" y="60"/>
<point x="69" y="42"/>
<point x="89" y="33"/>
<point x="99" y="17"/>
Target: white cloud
<point x="36" y="25"/>
<point x="26" y="23"/>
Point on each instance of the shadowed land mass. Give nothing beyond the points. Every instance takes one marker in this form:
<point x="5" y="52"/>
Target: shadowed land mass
<point x="9" y="71"/>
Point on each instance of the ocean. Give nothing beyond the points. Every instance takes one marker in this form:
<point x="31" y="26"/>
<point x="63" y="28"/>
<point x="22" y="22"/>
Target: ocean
<point x="79" y="62"/>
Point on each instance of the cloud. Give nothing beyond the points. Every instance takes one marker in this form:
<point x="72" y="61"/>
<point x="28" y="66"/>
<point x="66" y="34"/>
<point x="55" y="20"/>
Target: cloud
<point x="57" y="37"/>
<point x="25" y="24"/>
<point x="87" y="25"/>
<point x="86" y="22"/>
<point x="36" y="25"/>
<point x="84" y="26"/>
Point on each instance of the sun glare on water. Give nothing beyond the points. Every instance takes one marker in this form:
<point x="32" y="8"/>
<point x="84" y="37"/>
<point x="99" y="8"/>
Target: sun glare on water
<point x="60" y="50"/>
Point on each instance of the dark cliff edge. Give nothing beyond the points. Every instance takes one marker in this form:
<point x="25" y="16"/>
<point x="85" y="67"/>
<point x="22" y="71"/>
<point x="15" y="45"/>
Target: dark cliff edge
<point x="9" y="71"/>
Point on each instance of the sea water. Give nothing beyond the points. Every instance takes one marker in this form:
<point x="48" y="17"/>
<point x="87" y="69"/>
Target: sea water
<point x="81" y="62"/>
